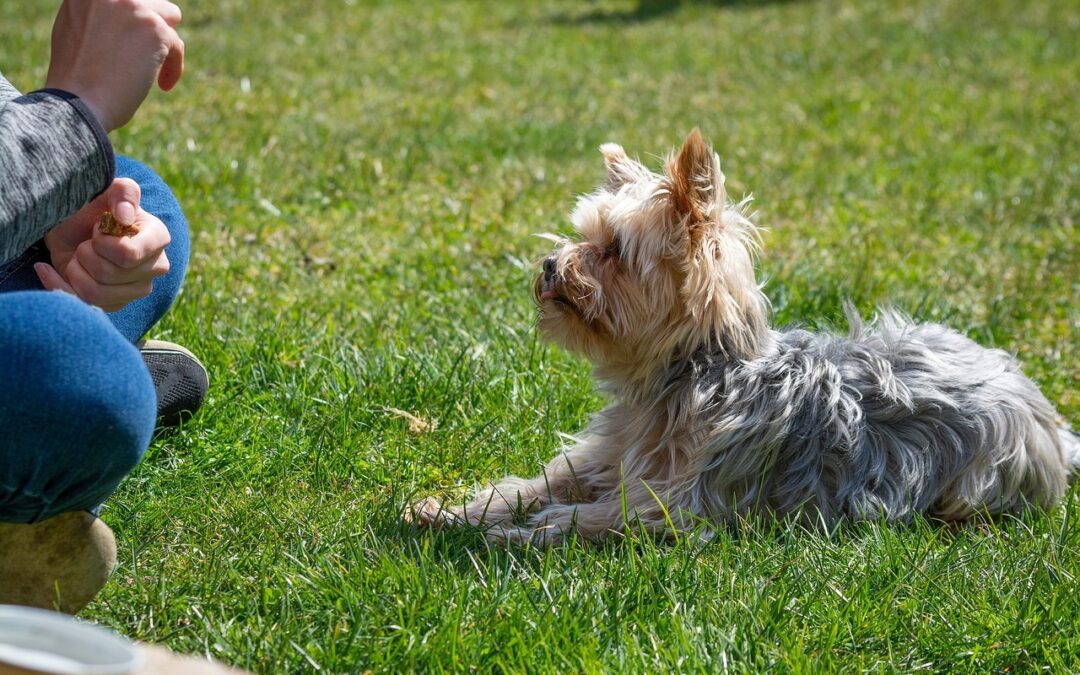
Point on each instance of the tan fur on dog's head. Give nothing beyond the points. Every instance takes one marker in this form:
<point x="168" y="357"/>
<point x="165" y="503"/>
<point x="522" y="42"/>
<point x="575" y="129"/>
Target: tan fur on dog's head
<point x="663" y="266"/>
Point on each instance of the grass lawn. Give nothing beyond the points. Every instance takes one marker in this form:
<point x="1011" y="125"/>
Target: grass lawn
<point x="363" y="181"/>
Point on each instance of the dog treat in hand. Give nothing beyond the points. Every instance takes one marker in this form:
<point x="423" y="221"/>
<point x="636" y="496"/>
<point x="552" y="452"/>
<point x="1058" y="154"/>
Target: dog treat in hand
<point x="111" y="226"/>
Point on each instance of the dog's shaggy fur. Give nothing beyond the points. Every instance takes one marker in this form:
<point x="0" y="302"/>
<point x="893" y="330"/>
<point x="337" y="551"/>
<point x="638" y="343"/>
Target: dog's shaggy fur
<point x="717" y="416"/>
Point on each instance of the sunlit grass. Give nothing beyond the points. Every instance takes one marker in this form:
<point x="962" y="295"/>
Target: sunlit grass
<point x="364" y="180"/>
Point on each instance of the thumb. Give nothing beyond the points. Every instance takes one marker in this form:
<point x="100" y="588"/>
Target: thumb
<point x="51" y="279"/>
<point x="122" y="198"/>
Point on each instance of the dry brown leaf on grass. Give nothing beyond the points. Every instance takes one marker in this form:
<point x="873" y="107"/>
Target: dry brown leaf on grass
<point x="417" y="425"/>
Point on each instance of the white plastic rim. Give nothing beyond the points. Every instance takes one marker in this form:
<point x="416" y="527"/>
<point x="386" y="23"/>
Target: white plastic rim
<point x="41" y="641"/>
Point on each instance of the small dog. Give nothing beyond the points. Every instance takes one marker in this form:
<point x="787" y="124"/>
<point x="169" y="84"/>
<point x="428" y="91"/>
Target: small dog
<point x="716" y="416"/>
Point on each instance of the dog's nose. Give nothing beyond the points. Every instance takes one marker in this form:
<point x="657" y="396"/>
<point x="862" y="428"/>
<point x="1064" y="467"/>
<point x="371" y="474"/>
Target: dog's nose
<point x="549" y="269"/>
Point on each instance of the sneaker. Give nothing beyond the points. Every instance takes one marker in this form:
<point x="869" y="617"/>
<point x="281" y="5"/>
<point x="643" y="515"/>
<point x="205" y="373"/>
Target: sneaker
<point x="180" y="380"/>
<point x="60" y="563"/>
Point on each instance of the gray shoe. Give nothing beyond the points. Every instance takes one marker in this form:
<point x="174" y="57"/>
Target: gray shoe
<point x="60" y="563"/>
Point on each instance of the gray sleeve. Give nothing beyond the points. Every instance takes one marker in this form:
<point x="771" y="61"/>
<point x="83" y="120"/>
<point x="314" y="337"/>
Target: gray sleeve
<point x="7" y="90"/>
<point x="54" y="158"/>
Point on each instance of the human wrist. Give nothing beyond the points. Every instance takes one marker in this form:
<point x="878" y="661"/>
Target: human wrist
<point x="98" y="112"/>
<point x="86" y="96"/>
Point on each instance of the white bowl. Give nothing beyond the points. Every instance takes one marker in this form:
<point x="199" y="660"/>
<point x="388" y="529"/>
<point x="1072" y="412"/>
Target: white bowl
<point x="41" y="641"/>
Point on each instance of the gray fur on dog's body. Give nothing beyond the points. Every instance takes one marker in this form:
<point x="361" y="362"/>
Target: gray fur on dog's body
<point x="894" y="420"/>
<point x="716" y="416"/>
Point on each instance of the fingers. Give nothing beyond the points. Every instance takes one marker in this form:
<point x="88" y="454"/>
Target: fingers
<point x="131" y="253"/>
<point x="173" y="66"/>
<point x="107" y="273"/>
<point x="82" y="286"/>
<point x="51" y="279"/>
<point x="166" y="10"/>
<point x="108" y="297"/>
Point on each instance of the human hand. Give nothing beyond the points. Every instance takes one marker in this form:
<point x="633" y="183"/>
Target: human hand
<point x="109" y="52"/>
<point x="104" y="270"/>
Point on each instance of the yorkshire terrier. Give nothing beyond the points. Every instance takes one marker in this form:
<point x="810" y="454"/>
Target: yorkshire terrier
<point x="716" y="416"/>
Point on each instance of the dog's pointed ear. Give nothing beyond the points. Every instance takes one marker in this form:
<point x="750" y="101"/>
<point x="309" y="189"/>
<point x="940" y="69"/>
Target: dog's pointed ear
<point x="620" y="168"/>
<point x="696" y="182"/>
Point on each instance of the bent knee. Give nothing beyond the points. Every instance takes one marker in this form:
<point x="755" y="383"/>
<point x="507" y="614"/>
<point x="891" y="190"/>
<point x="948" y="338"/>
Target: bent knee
<point x="79" y="413"/>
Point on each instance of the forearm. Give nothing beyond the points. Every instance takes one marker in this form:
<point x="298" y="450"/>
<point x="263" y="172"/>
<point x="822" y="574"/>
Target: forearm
<point x="54" y="158"/>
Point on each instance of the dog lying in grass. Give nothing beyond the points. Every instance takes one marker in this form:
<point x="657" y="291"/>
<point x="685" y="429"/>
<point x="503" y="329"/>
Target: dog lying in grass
<point x="717" y="416"/>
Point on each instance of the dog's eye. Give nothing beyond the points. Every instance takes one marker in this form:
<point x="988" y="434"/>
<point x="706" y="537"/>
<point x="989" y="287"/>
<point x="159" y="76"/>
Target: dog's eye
<point x="614" y="249"/>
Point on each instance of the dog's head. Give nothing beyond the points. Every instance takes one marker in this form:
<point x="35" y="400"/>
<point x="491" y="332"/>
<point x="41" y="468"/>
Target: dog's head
<point x="662" y="266"/>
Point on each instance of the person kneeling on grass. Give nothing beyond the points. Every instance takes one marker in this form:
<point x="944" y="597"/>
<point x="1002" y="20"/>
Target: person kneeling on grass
<point x="79" y="389"/>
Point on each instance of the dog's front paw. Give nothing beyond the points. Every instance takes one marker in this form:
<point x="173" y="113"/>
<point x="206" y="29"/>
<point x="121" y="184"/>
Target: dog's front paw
<point x="540" y="537"/>
<point x="431" y="512"/>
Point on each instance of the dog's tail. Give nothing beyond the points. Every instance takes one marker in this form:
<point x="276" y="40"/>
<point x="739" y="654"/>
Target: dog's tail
<point x="1070" y="447"/>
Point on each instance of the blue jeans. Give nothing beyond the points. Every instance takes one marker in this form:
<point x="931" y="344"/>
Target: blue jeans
<point x="77" y="405"/>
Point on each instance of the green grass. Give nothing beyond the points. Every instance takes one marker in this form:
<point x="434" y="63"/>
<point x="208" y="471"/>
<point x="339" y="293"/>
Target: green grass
<point x="362" y="212"/>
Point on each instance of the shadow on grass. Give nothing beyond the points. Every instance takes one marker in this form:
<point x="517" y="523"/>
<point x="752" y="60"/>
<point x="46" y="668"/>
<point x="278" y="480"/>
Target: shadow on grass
<point x="461" y="546"/>
<point x="648" y="10"/>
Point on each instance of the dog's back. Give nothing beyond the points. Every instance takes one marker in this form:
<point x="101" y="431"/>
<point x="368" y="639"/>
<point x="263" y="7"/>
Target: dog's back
<point x="894" y="419"/>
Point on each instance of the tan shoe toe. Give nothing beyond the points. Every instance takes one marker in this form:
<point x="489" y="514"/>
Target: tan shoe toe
<point x="59" y="563"/>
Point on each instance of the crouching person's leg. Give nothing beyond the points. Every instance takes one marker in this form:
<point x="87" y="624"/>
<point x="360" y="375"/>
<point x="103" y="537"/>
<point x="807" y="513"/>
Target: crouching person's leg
<point x="179" y="377"/>
<point x="77" y="409"/>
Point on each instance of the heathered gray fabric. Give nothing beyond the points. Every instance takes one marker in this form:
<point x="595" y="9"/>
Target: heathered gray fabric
<point x="7" y="90"/>
<point x="54" y="158"/>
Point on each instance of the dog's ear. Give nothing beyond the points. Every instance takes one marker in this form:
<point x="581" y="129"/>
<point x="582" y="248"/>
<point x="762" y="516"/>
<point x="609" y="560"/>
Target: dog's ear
<point x="620" y="168"/>
<point x="719" y="290"/>
<point x="695" y="181"/>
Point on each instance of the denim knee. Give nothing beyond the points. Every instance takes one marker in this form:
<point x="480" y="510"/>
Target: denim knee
<point x="77" y="410"/>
